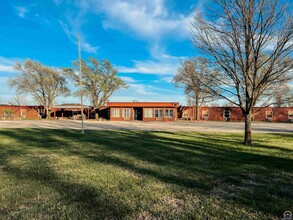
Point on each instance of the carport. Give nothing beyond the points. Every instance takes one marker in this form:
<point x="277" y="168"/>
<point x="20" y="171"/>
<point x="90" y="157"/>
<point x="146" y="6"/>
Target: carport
<point x="70" y="111"/>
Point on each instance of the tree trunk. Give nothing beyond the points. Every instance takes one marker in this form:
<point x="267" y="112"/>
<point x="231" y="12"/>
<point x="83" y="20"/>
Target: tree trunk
<point x="96" y="107"/>
<point x="247" y="136"/>
<point x="47" y="112"/>
<point x="197" y="113"/>
<point x="96" y="114"/>
<point x="196" y="109"/>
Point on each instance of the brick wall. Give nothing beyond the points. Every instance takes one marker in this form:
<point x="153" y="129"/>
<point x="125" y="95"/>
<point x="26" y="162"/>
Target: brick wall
<point x="280" y="114"/>
<point x="131" y="118"/>
<point x="120" y="118"/>
<point x="18" y="112"/>
<point x="217" y="113"/>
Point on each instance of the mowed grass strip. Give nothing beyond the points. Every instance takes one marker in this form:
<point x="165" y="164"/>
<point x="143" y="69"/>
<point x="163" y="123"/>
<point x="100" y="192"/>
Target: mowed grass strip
<point x="62" y="174"/>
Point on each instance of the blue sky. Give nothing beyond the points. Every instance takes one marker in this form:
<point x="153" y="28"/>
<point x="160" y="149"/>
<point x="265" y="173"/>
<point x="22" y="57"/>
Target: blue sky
<point x="144" y="39"/>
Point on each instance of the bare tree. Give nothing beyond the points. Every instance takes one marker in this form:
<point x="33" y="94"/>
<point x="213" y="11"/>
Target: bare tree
<point x="283" y="96"/>
<point x="99" y="80"/>
<point x="251" y="41"/>
<point x="194" y="74"/>
<point x="19" y="100"/>
<point x="42" y="82"/>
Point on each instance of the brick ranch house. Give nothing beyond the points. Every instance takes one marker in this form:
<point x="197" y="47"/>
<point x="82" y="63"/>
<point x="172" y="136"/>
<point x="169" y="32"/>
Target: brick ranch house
<point x="145" y="111"/>
<point x="140" y="111"/>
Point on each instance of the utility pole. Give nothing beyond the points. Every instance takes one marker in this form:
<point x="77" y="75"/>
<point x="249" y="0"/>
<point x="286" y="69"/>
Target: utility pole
<point x="80" y="83"/>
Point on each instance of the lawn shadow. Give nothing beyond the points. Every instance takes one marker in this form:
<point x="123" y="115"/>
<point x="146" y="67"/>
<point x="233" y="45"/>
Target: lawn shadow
<point x="90" y="202"/>
<point x="236" y="175"/>
<point x="207" y="166"/>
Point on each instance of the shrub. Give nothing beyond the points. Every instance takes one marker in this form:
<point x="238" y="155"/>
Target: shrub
<point x="8" y="112"/>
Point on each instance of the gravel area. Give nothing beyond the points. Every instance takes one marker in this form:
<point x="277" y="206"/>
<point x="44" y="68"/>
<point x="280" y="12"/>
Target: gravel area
<point x="204" y="126"/>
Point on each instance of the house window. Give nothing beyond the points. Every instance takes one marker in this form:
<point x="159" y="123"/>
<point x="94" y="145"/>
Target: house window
<point x="116" y="112"/>
<point x="290" y="115"/>
<point x="23" y="113"/>
<point x="205" y="114"/>
<point x="269" y="115"/>
<point x="169" y="113"/>
<point x="126" y="113"/>
<point x="226" y="114"/>
<point x="158" y="113"/>
<point x="148" y="112"/>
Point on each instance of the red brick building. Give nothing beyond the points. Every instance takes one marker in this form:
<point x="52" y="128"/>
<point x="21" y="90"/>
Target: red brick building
<point x="8" y="112"/>
<point x="275" y="114"/>
<point x="146" y="111"/>
<point x="140" y="111"/>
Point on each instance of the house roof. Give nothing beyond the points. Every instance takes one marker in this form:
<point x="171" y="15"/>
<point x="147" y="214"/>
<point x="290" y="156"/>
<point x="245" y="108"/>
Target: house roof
<point x="70" y="106"/>
<point x="21" y="106"/>
<point x="143" y="104"/>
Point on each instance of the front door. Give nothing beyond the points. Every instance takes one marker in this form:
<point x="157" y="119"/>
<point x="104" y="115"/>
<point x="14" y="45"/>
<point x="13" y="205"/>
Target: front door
<point x="138" y="114"/>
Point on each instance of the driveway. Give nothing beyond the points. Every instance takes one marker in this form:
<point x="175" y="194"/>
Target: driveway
<point x="208" y="126"/>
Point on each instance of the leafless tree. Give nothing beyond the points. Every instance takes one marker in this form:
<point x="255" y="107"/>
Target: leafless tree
<point x="194" y="74"/>
<point x="251" y="41"/>
<point x="99" y="80"/>
<point x="19" y="100"/>
<point x="42" y="82"/>
<point x="283" y="96"/>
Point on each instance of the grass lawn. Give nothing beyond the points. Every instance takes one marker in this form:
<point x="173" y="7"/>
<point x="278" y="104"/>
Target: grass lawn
<point x="62" y="174"/>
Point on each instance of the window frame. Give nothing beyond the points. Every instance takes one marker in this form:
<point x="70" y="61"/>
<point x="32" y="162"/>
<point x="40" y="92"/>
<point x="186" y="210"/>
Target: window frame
<point x="124" y="110"/>
<point x="290" y="113"/>
<point x="159" y="115"/>
<point x="145" y="112"/>
<point x="203" y="113"/>
<point x="23" y="112"/>
<point x="224" y="114"/>
<point x="168" y="115"/>
<point x="114" y="110"/>
<point x="272" y="115"/>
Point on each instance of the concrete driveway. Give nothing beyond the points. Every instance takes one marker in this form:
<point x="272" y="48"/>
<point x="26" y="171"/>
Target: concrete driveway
<point x="207" y="126"/>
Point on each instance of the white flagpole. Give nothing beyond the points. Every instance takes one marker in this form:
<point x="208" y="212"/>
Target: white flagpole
<point x="80" y="82"/>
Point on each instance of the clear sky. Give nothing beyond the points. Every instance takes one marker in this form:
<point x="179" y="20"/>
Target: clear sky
<point x="144" y="39"/>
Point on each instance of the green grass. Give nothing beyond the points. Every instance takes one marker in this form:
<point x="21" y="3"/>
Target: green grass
<point x="62" y="174"/>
